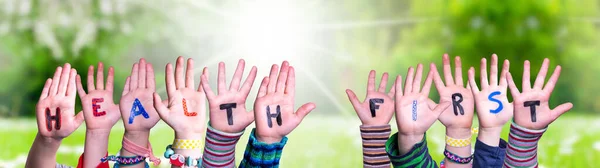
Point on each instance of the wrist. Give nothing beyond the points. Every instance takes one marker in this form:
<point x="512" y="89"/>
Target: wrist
<point x="490" y="136"/>
<point x="138" y="137"/>
<point x="48" y="141"/>
<point x="458" y="133"/>
<point x="188" y="135"/>
<point x="407" y="141"/>
<point x="268" y="139"/>
<point x="97" y="133"/>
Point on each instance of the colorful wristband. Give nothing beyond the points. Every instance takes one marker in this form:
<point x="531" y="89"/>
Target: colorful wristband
<point x="454" y="142"/>
<point x="457" y="159"/>
<point x="180" y="160"/>
<point x="187" y="144"/>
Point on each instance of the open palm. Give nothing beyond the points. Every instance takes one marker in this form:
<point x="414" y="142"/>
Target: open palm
<point x="461" y="115"/>
<point x="137" y="105"/>
<point x="106" y="113"/>
<point x="378" y="107"/>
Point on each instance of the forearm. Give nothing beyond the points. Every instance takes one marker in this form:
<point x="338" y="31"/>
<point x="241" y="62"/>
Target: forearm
<point x="463" y="150"/>
<point x="42" y="153"/>
<point x="261" y="154"/>
<point x="409" y="151"/>
<point x="219" y="148"/>
<point x="373" y="143"/>
<point x="96" y="147"/>
<point x="522" y="146"/>
<point x="139" y="138"/>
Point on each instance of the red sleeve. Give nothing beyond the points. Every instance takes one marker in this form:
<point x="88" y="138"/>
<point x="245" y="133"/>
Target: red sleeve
<point x="101" y="165"/>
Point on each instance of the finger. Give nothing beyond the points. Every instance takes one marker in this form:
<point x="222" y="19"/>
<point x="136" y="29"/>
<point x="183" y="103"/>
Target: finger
<point x="440" y="108"/>
<point x="398" y="87"/>
<point x="249" y="82"/>
<point x="272" y="79"/>
<point x="371" y="81"/>
<point x="511" y="85"/>
<point x="353" y="99"/>
<point x="262" y="91"/>
<point x="110" y="81"/>
<point x="458" y="71"/>
<point x="290" y="86"/>
<point x="541" y="77"/>
<point x="189" y="74"/>
<point x="447" y="70"/>
<point x="553" y="79"/>
<point x="90" y="79"/>
<point x="80" y="90"/>
<point x="237" y="76"/>
<point x="304" y="110"/>
<point x="472" y="84"/>
<point x="393" y="89"/>
<point x="71" y="85"/>
<point x="383" y="83"/>
<point x="46" y="89"/>
<point x="206" y="86"/>
<point x="142" y="74"/>
<point x="439" y="84"/>
<point x="162" y="110"/>
<point x="170" y="79"/>
<point x="127" y="86"/>
<point x="505" y="68"/>
<point x="55" y="80"/>
<point x="100" y="77"/>
<point x="526" y="79"/>
<point x="283" y="77"/>
<point x="150" y="78"/>
<point x="179" y="79"/>
<point x="78" y="119"/>
<point x="494" y="71"/>
<point x="561" y="109"/>
<point x="483" y="74"/>
<point x="64" y="79"/>
<point x="416" y="88"/>
<point x="134" y="77"/>
<point x="409" y="80"/>
<point x="427" y="85"/>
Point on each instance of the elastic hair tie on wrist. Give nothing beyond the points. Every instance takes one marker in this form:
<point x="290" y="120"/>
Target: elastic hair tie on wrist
<point x="457" y="159"/>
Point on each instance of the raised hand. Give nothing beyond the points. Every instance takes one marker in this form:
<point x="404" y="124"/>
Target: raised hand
<point x="99" y="109"/>
<point x="378" y="107"/>
<point x="531" y="106"/>
<point x="493" y="108"/>
<point x="415" y="112"/>
<point x="186" y="110"/>
<point x="460" y="115"/>
<point x="274" y="105"/>
<point x="55" y="111"/>
<point x="228" y="109"/>
<point x="137" y="105"/>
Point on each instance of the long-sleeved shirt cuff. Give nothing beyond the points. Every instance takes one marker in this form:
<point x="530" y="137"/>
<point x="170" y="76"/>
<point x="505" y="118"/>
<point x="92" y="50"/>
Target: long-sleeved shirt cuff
<point x="373" y="143"/>
<point x="418" y="156"/>
<point x="260" y="154"/>
<point x="489" y="156"/>
<point x="219" y="148"/>
<point x="522" y="146"/>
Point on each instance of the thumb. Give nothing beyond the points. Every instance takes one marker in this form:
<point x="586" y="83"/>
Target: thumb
<point x="561" y="109"/>
<point x="304" y="110"/>
<point x="441" y="107"/>
<point x="160" y="107"/>
<point x="79" y="119"/>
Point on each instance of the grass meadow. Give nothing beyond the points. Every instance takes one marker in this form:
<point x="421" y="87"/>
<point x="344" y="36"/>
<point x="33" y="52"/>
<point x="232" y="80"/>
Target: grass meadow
<point x="320" y="141"/>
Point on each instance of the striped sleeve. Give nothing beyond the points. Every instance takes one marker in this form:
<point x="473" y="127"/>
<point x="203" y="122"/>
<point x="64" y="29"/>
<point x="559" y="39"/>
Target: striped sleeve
<point x="522" y="146"/>
<point x="260" y="154"/>
<point x="418" y="156"/>
<point x="373" y="143"/>
<point x="219" y="148"/>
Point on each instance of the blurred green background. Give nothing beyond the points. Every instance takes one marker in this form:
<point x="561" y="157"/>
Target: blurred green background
<point x="332" y="44"/>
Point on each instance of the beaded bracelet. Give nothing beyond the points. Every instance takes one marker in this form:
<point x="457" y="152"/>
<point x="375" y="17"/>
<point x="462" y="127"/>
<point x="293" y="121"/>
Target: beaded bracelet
<point x="124" y="160"/>
<point x="179" y="160"/>
<point x="457" y="159"/>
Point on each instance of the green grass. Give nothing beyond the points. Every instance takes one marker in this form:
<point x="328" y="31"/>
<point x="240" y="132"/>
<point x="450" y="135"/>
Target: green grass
<point x="321" y="141"/>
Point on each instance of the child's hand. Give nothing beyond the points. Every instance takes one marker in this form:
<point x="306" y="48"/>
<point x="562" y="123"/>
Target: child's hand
<point x="460" y="115"/>
<point x="274" y="105"/>
<point x="186" y="111"/>
<point x="99" y="110"/>
<point x="137" y="106"/>
<point x="493" y="108"/>
<point x="228" y="109"/>
<point x="415" y="112"/>
<point x="531" y="106"/>
<point x="55" y="111"/>
<point x="378" y="107"/>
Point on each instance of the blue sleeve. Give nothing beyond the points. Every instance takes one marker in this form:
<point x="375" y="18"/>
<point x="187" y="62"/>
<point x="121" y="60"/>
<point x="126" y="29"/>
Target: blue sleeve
<point x="488" y="156"/>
